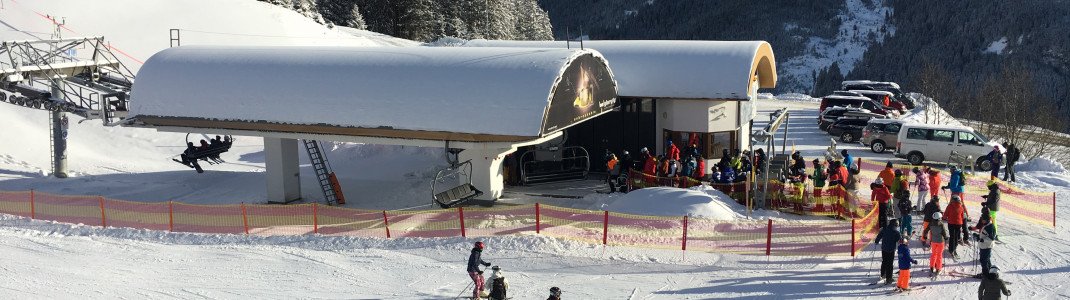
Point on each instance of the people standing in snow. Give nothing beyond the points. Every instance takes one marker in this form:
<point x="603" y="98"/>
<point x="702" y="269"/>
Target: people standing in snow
<point x="819" y="176"/>
<point x="759" y="161"/>
<point x="499" y="285"/>
<point x="955" y="216"/>
<point x="745" y="166"/>
<point x="474" y="260"/>
<point x="613" y="168"/>
<point x="700" y="169"/>
<point x="888" y="237"/>
<point x="986" y="238"/>
<point x="906" y="220"/>
<point x="881" y="195"/>
<point x="848" y="160"/>
<point x="934" y="183"/>
<point x="1013" y="154"/>
<point x="992" y="202"/>
<point x="957" y="182"/>
<point x="930" y="209"/>
<point x="888" y="177"/>
<point x="672" y="152"/>
<point x="555" y="293"/>
<point x="937" y="237"/>
<point x="900" y="190"/>
<point x="992" y="287"/>
<point x="996" y="157"/>
<point x="905" y="261"/>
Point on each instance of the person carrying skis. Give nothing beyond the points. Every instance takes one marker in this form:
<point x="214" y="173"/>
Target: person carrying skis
<point x="992" y="287"/>
<point x="996" y="157"/>
<point x="923" y="185"/>
<point x="992" y="202"/>
<point x="888" y="177"/>
<point x="937" y="236"/>
<point x="905" y="261"/>
<point x="819" y="177"/>
<point x="954" y="214"/>
<point x="906" y="220"/>
<point x="555" y="293"/>
<point x="498" y="284"/>
<point x="932" y="207"/>
<point x="889" y="236"/>
<point x="881" y="195"/>
<point x="474" y="260"/>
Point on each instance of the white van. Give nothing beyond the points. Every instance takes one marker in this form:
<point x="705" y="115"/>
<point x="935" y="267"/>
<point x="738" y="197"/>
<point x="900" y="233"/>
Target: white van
<point x="922" y="142"/>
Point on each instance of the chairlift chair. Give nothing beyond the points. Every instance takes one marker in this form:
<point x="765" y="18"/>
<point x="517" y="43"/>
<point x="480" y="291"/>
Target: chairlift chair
<point x="459" y="194"/>
<point x="203" y="154"/>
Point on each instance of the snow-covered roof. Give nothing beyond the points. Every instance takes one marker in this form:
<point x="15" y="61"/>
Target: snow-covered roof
<point x="465" y="94"/>
<point x="676" y="69"/>
<point x="846" y="83"/>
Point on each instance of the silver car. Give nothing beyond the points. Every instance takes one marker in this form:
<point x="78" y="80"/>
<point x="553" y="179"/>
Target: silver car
<point x="881" y="134"/>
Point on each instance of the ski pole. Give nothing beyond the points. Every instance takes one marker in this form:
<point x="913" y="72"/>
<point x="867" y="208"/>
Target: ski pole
<point x="463" y="290"/>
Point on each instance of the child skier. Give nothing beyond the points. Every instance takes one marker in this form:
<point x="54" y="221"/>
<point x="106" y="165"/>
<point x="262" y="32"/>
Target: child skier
<point x="819" y="177"/>
<point x="555" y="293"/>
<point x="992" y="286"/>
<point x="474" y="260"/>
<point x="498" y="284"/>
<point x="923" y="185"/>
<point x="937" y="237"/>
<point x="954" y="214"/>
<point x="906" y="225"/>
<point x="905" y="261"/>
<point x="881" y="196"/>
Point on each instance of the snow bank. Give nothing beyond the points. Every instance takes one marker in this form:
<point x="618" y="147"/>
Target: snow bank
<point x="1040" y="164"/>
<point x="701" y="201"/>
<point x="796" y="97"/>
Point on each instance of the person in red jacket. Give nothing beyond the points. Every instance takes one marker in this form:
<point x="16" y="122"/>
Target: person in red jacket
<point x="700" y="169"/>
<point x="954" y="213"/>
<point x="934" y="182"/>
<point x="882" y="196"/>
<point x="672" y="152"/>
<point x="650" y="169"/>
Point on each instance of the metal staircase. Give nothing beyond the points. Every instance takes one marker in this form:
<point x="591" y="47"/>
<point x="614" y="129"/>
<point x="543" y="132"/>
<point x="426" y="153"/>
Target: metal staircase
<point x="91" y="81"/>
<point x="332" y="191"/>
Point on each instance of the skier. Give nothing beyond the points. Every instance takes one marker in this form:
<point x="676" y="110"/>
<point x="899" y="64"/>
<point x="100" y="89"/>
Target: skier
<point x="474" y="260"/>
<point x="848" y="160"/>
<point x="1013" y="154"/>
<point x="888" y="177"/>
<point x="625" y="162"/>
<point x="881" y="195"/>
<point x="819" y="177"/>
<point x="956" y="183"/>
<point x="992" y="287"/>
<point x="672" y="151"/>
<point x="650" y="169"/>
<point x="905" y="261"/>
<point x="700" y="169"/>
<point x="727" y="175"/>
<point x="745" y="165"/>
<point x="996" y="157"/>
<point x="498" y="284"/>
<point x="934" y="183"/>
<point x="985" y="240"/>
<point x="555" y="293"/>
<point x="900" y="190"/>
<point x="937" y="236"/>
<point x="890" y="237"/>
<point x="906" y="220"/>
<point x="835" y="178"/>
<point x="612" y="168"/>
<point x="954" y="214"/>
<point x="735" y="162"/>
<point x="992" y="202"/>
<point x="759" y="160"/>
<point x="923" y="185"/>
<point x="932" y="207"/>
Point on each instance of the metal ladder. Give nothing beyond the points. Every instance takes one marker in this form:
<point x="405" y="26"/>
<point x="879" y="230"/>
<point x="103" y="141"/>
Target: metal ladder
<point x="332" y="191"/>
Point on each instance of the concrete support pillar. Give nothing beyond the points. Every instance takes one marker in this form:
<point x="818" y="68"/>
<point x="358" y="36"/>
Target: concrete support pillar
<point x="283" y="172"/>
<point x="59" y="132"/>
<point x="487" y="168"/>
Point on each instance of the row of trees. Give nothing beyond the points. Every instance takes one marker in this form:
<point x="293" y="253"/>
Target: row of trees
<point x="427" y="20"/>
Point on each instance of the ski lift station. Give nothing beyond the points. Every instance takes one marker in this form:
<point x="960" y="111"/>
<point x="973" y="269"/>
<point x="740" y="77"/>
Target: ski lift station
<point x="478" y="103"/>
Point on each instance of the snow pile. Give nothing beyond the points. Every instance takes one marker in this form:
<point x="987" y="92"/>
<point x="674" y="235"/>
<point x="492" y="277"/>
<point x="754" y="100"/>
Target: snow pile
<point x="1040" y="164"/>
<point x="701" y="201"/>
<point x="796" y="97"/>
<point x="860" y="19"/>
<point x="928" y="111"/>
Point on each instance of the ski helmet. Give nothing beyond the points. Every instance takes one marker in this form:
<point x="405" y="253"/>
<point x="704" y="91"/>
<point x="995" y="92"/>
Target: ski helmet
<point x="937" y="215"/>
<point x="898" y="172"/>
<point x="496" y="268"/>
<point x="879" y="181"/>
<point x="479" y="245"/>
<point x="555" y="291"/>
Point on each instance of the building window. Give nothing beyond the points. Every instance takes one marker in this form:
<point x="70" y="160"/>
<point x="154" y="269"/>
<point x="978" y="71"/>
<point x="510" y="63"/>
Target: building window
<point x="719" y="141"/>
<point x="708" y="145"/>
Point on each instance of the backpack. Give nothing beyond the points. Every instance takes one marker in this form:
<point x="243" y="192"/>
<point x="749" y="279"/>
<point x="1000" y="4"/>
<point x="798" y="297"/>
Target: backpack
<point x="497" y="288"/>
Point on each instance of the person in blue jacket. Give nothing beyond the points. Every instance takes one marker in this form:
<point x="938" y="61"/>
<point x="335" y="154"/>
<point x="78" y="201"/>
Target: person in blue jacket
<point x="888" y="238"/>
<point x="848" y="160"/>
<point x="474" y="260"/>
<point x="905" y="261"/>
<point x="956" y="183"/>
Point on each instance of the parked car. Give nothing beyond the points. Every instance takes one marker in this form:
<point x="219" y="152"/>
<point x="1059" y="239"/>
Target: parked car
<point x="848" y="129"/>
<point x="881" y="134"/>
<point x="884" y="98"/>
<point x="919" y="143"/>
<point x="846" y="93"/>
<point x="863" y="102"/>
<point x="891" y="87"/>
<point x="830" y="115"/>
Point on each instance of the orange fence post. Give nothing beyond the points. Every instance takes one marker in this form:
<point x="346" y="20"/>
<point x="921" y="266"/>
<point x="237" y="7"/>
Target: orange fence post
<point x="605" y="227"/>
<point x="33" y="214"/>
<point x="769" y="237"/>
<point x="103" y="220"/>
<point x="538" y="221"/>
<point x="244" y="218"/>
<point x="315" y="219"/>
<point x="853" y="237"/>
<point x="386" y="223"/>
<point x="460" y="211"/>
<point x="684" y="246"/>
<point x="170" y="216"/>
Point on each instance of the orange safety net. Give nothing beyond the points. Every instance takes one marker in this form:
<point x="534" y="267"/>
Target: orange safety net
<point x="281" y="219"/>
<point x="645" y="231"/>
<point x="146" y="215"/>
<point x="572" y="224"/>
<point x="499" y="220"/>
<point x="15" y="203"/>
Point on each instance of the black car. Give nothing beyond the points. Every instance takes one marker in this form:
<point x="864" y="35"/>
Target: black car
<point x="848" y="129"/>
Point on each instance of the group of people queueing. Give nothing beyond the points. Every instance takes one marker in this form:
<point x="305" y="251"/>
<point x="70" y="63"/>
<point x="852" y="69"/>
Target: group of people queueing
<point x="828" y="174"/>
<point x="675" y="167"/>
<point x="943" y="228"/>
